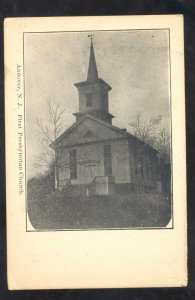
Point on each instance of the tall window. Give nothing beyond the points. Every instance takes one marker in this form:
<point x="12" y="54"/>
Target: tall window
<point x="147" y="169"/>
<point x="107" y="160"/>
<point x="73" y="164"/>
<point x="141" y="165"/>
<point x="135" y="160"/>
<point x="88" y="99"/>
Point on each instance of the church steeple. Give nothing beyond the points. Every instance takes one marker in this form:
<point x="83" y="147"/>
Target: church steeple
<point x="93" y="93"/>
<point x="92" y="75"/>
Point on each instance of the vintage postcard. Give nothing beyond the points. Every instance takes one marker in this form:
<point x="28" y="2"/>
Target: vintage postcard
<point x="95" y="152"/>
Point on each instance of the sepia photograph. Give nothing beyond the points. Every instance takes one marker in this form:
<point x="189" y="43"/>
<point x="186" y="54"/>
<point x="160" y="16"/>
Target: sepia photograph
<point x="98" y="129"/>
<point x="95" y="152"/>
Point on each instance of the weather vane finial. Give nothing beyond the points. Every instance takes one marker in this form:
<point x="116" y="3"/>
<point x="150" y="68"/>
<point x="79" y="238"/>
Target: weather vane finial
<point x="91" y="37"/>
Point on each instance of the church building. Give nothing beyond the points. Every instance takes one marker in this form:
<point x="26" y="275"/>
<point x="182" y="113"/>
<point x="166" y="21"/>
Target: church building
<point x="95" y="157"/>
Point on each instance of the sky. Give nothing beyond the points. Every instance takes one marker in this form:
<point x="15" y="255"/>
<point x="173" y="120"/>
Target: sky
<point x="135" y="63"/>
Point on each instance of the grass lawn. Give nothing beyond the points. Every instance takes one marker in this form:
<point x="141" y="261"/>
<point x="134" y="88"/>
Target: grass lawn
<point x="57" y="211"/>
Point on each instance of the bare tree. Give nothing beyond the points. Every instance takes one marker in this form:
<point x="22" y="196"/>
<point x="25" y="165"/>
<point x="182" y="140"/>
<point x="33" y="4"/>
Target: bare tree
<point x="150" y="132"/>
<point x="163" y="144"/>
<point x="145" y="130"/>
<point x="55" y="121"/>
<point x="47" y="132"/>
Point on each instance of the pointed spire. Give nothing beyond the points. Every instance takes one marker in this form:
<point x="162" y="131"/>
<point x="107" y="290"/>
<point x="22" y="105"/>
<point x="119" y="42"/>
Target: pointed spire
<point x="92" y="75"/>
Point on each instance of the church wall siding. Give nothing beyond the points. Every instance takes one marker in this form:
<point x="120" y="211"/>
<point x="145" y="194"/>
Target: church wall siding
<point x="143" y="164"/>
<point x="90" y="162"/>
<point x="120" y="161"/>
<point x="131" y="163"/>
<point x="96" y="99"/>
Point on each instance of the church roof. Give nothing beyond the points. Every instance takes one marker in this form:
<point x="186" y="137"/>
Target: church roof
<point x="92" y="75"/>
<point x="99" y="81"/>
<point x="94" y="113"/>
<point x="122" y="133"/>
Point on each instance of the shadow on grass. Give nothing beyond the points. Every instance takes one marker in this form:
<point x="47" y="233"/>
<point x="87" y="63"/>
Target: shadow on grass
<point x="57" y="211"/>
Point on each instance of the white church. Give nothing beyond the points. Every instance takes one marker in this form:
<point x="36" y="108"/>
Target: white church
<point x="95" y="157"/>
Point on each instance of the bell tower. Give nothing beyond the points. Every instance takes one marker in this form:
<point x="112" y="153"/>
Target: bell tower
<point x="93" y="93"/>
